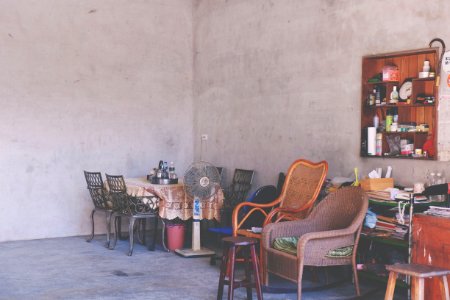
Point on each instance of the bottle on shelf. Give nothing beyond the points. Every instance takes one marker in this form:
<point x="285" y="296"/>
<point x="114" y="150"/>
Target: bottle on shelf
<point x="377" y="96"/>
<point x="379" y="144"/>
<point x="389" y="118"/>
<point x="426" y="66"/>
<point x="376" y="121"/>
<point x="394" y="96"/>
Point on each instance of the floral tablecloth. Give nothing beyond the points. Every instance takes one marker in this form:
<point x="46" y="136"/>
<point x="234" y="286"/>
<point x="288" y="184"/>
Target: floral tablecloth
<point x="174" y="201"/>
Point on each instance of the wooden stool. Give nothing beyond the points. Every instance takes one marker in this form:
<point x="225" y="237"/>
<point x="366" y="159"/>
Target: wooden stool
<point x="418" y="273"/>
<point x="229" y="258"/>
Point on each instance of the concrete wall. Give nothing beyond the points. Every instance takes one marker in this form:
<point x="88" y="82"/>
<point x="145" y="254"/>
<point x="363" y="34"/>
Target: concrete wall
<point x="280" y="80"/>
<point x="87" y="85"/>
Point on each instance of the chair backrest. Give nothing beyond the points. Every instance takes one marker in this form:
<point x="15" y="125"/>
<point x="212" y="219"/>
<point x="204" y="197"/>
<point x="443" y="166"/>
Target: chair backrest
<point x="240" y="186"/>
<point x="116" y="183"/>
<point x="93" y="179"/>
<point x="118" y="192"/>
<point x="344" y="208"/>
<point x="302" y="185"/>
<point x="97" y="190"/>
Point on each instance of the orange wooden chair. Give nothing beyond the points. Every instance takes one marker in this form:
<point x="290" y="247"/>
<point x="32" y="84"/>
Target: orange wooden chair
<point x="300" y="190"/>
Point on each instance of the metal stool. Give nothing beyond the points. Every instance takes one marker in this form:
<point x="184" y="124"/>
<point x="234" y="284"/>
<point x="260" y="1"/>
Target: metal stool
<point x="247" y="245"/>
<point x="418" y="273"/>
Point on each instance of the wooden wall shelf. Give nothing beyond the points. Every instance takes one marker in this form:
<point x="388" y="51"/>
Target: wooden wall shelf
<point x="409" y="111"/>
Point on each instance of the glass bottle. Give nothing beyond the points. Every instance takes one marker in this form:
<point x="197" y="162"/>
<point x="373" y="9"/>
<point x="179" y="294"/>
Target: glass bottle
<point x="394" y="95"/>
<point x="172" y="174"/>
<point x="377" y="93"/>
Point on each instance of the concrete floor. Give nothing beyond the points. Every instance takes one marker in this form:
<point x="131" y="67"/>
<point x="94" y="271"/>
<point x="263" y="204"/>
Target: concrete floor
<point x="70" y="268"/>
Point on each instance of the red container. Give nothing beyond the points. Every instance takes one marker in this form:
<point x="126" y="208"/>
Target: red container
<point x="175" y="236"/>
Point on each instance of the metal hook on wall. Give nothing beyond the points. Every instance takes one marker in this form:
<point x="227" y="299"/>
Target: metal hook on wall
<point x="438" y="71"/>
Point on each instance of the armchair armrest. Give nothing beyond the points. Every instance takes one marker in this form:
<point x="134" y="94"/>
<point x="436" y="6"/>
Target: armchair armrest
<point x="284" y="212"/>
<point x="236" y="223"/>
<point x="296" y="228"/>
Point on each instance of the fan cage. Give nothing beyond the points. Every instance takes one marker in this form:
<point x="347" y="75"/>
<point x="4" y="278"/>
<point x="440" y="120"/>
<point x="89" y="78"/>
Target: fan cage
<point x="202" y="180"/>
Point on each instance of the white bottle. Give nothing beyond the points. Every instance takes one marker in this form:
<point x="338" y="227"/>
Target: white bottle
<point x="426" y="66"/>
<point x="431" y="180"/>
<point x="394" y="95"/>
<point x="440" y="179"/>
<point x="376" y="121"/>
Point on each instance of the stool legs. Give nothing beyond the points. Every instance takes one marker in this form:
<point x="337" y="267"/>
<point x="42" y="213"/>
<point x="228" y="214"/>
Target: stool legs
<point x="255" y="262"/>
<point x="232" y="260"/>
<point x="228" y="266"/>
<point x="247" y="261"/>
<point x="444" y="288"/>
<point x="390" y="286"/>
<point x="223" y="271"/>
<point x="417" y="287"/>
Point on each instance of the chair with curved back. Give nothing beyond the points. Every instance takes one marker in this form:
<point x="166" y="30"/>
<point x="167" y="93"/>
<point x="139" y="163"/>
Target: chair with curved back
<point x="301" y="187"/>
<point x="132" y="207"/>
<point x="101" y="201"/>
<point x="329" y="236"/>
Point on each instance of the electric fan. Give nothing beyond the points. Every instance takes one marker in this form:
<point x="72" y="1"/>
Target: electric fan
<point x="201" y="182"/>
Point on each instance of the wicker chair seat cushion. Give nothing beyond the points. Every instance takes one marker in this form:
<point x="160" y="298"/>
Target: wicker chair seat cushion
<point x="289" y="245"/>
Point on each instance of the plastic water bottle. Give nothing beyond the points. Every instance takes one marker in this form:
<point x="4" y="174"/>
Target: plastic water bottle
<point x="440" y="179"/>
<point x="431" y="180"/>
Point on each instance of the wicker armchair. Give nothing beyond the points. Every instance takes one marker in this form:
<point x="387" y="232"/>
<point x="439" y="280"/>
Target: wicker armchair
<point x="335" y="222"/>
<point x="101" y="200"/>
<point x="134" y="208"/>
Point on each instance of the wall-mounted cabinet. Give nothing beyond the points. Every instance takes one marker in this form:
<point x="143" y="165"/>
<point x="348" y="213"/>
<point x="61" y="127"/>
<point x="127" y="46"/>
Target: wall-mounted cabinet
<point x="399" y="101"/>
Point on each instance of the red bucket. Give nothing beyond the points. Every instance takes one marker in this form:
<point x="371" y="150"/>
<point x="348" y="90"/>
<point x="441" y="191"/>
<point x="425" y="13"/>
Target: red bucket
<point x="175" y="236"/>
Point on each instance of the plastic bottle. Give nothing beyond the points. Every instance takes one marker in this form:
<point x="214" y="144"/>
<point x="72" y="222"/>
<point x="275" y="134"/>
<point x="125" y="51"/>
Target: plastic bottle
<point x="376" y="121"/>
<point x="379" y="145"/>
<point x="394" y="95"/>
<point x="431" y="180"/>
<point x="440" y="179"/>
<point x="389" y="118"/>
<point x="426" y="66"/>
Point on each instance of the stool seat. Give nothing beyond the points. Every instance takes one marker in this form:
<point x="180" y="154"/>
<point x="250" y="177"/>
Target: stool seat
<point x="248" y="248"/>
<point x="421" y="271"/>
<point x="239" y="241"/>
<point x="418" y="274"/>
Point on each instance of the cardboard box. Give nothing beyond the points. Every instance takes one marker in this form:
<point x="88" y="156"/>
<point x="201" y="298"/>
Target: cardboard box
<point x="377" y="184"/>
<point x="391" y="73"/>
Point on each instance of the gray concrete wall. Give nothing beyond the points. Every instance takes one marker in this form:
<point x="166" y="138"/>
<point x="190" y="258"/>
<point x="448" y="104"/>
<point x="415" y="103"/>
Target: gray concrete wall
<point x="280" y="80"/>
<point x="95" y="85"/>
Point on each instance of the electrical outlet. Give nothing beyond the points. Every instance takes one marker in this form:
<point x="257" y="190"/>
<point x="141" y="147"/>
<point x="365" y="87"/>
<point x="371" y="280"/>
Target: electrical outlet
<point x="204" y="137"/>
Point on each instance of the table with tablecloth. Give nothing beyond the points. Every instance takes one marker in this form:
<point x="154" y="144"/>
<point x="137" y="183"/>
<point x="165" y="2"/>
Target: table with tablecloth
<point x="175" y="203"/>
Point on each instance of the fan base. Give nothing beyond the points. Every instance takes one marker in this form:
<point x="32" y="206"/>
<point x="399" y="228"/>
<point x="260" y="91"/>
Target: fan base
<point x="194" y="253"/>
